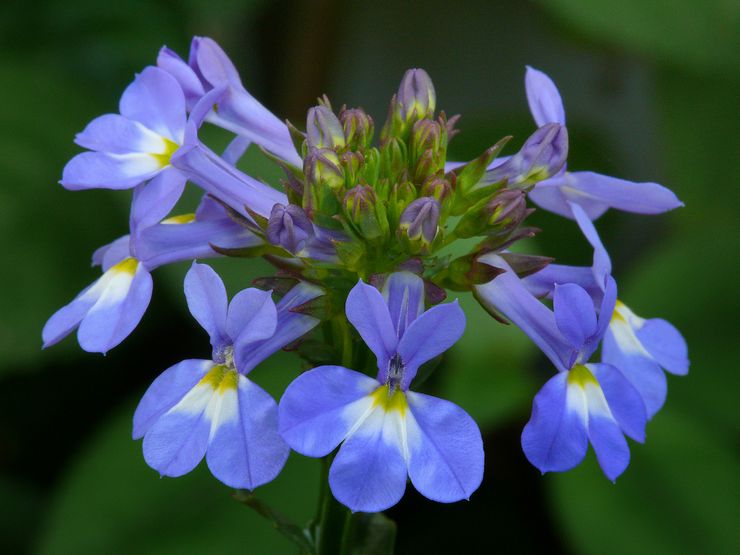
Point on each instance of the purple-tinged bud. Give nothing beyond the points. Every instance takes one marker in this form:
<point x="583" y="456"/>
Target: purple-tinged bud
<point x="416" y="97"/>
<point x="352" y="162"/>
<point x="437" y="187"/>
<point x="429" y="164"/>
<point x="426" y="135"/>
<point x="419" y="223"/>
<point x="497" y="215"/>
<point x="289" y="227"/>
<point x="541" y="157"/>
<point x="323" y="167"/>
<point x="366" y="214"/>
<point x="323" y="129"/>
<point x="358" y="128"/>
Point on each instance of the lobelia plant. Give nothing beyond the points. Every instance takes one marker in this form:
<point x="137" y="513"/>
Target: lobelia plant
<point x="361" y="240"/>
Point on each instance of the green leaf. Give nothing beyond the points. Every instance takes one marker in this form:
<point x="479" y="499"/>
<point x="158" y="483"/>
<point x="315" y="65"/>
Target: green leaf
<point x="704" y="37"/>
<point x="679" y="495"/>
<point x="111" y="502"/>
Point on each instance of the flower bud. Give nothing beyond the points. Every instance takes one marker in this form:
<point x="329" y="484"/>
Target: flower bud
<point x="289" y="227"/>
<point x="361" y="207"/>
<point x="419" y="223"/>
<point x="352" y="163"/>
<point x="436" y="187"/>
<point x="358" y="128"/>
<point x="393" y="158"/>
<point x="322" y="167"/>
<point x="427" y="165"/>
<point x="507" y="209"/>
<point x="426" y="135"/>
<point x="323" y="129"/>
<point x="416" y="96"/>
<point x="541" y="157"/>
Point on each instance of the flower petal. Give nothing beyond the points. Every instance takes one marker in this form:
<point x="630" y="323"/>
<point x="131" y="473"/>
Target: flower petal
<point x="624" y="400"/>
<point x="155" y="199"/>
<point x="112" y="253"/>
<point x="645" y="374"/>
<point x="610" y="446"/>
<point x="552" y="195"/>
<point x="166" y="391"/>
<point x="431" y="334"/>
<point x="100" y="170"/>
<point x="542" y="284"/>
<point x="207" y="301"/>
<point x="126" y="292"/>
<point x="544" y="99"/>
<point x="368" y="313"/>
<point x="369" y="472"/>
<point x="321" y="406"/>
<point x="445" y="449"/>
<point x="245" y="450"/>
<point x="602" y="265"/>
<point x="251" y="316"/>
<point x="116" y="134"/>
<point x="156" y="100"/>
<point x="290" y="327"/>
<point x="666" y="345"/>
<point x="555" y="438"/>
<point x="177" y="441"/>
<point x="640" y="198"/>
<point x="574" y="313"/>
<point x="506" y="294"/>
<point x="404" y="294"/>
<point x="191" y="86"/>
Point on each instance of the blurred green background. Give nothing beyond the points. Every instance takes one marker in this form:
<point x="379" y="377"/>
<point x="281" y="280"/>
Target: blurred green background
<point x="651" y="89"/>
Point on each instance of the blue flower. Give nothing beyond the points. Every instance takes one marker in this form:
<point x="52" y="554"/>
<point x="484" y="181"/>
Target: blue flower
<point x="386" y="431"/>
<point x="107" y="311"/>
<point x="210" y="408"/>
<point x="594" y="192"/>
<point x="585" y="402"/>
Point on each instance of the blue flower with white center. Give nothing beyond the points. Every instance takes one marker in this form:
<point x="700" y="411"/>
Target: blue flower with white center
<point x="136" y="145"/>
<point x="210" y="408"/>
<point x="386" y="431"/>
<point x="107" y="311"/>
<point x="585" y="402"/>
<point x="594" y="192"/>
<point x="640" y="348"/>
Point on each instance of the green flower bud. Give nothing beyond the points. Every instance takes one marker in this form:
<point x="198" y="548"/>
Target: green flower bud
<point x="323" y="129"/>
<point x="393" y="158"/>
<point x="358" y="128"/>
<point x="426" y="135"/>
<point x="436" y="187"/>
<point x="365" y="212"/>
<point x="322" y="167"/>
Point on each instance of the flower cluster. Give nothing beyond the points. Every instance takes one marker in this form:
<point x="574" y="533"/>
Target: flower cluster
<point x="364" y="239"/>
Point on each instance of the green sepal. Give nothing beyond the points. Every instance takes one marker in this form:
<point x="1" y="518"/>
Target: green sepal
<point x="297" y="137"/>
<point x="471" y="173"/>
<point x="465" y="272"/>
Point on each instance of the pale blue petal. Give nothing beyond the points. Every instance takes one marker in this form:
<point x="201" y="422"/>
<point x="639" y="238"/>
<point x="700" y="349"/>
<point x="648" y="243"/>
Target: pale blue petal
<point x="252" y="316"/>
<point x="100" y="170"/>
<point x="247" y="451"/>
<point x="624" y="400"/>
<point x="610" y="446"/>
<point x="643" y="373"/>
<point x="290" y="327"/>
<point x="574" y="313"/>
<point x="65" y="320"/>
<point x="154" y="200"/>
<point x="445" y="449"/>
<point x="640" y="198"/>
<point x="183" y="73"/>
<point x="112" y="253"/>
<point x="602" y="265"/>
<point x="544" y="99"/>
<point x="117" y="311"/>
<point x="166" y="391"/>
<point x="120" y="135"/>
<point x="207" y="301"/>
<point x="430" y="335"/>
<point x="368" y="313"/>
<point x="156" y="100"/>
<point x="555" y="194"/>
<point x="315" y="412"/>
<point x="666" y="344"/>
<point x="369" y="472"/>
<point x="404" y="294"/>
<point x="507" y="295"/>
<point x="542" y="284"/>
<point x="555" y="438"/>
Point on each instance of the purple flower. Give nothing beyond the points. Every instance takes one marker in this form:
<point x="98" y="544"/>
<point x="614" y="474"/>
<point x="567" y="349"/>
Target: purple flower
<point x="584" y="402"/>
<point x="594" y="192"/>
<point x="387" y="432"/>
<point x="238" y="111"/>
<point x="211" y="408"/>
<point x="289" y="227"/>
<point x="137" y="145"/>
